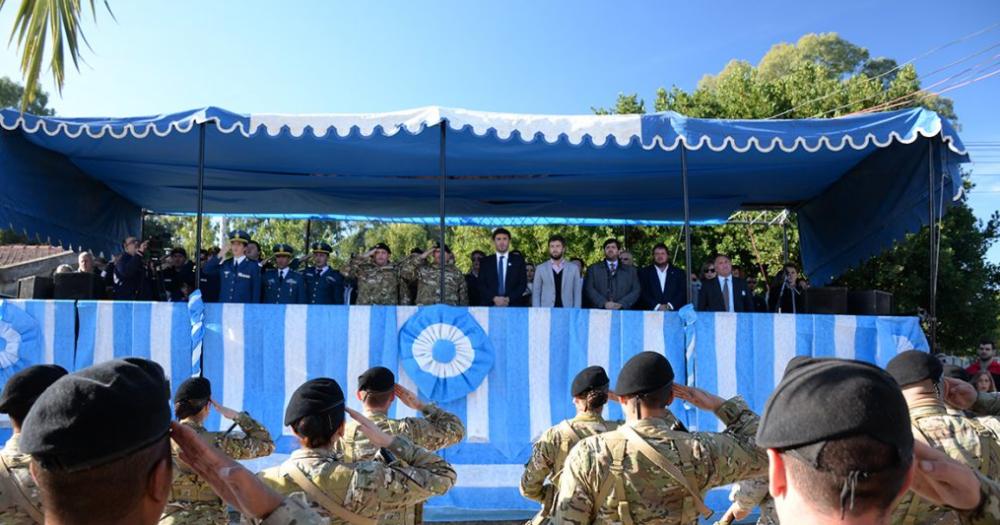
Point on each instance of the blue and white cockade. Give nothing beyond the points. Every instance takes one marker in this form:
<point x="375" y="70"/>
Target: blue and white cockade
<point x="445" y="352"/>
<point x="19" y="332"/>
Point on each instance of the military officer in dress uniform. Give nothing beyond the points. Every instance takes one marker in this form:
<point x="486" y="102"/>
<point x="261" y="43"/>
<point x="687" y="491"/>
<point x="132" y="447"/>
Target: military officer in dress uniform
<point x="324" y="285"/>
<point x="377" y="277"/>
<point x="590" y="394"/>
<point x="645" y="472"/>
<point x="240" y="276"/>
<point x="20" y="502"/>
<point x="99" y="441"/>
<point x="191" y="498"/>
<point x="377" y="389"/>
<point x="423" y="270"/>
<point x="355" y="493"/>
<point x="282" y="285"/>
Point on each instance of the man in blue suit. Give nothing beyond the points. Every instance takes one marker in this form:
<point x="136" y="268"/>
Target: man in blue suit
<point x="664" y="287"/>
<point x="324" y="285"/>
<point x="282" y="285"/>
<point x="128" y="271"/>
<point x="240" y="276"/>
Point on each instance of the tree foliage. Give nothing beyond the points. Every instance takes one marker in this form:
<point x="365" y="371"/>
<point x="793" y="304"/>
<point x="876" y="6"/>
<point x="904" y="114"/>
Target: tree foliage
<point x="12" y="95"/>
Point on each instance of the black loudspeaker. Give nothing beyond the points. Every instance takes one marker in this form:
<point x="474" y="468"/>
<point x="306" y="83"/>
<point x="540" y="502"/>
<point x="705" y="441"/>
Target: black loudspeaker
<point x="77" y="285"/>
<point x="826" y="300"/>
<point x="34" y="287"/>
<point x="869" y="302"/>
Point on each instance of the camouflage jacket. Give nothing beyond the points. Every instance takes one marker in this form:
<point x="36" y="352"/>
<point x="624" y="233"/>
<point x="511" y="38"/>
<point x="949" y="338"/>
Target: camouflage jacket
<point x="192" y="500"/>
<point x="752" y="493"/>
<point x="293" y="511"/>
<point x="377" y="284"/>
<point x="651" y="496"/>
<point x="963" y="439"/>
<point x="427" y="276"/>
<point x="367" y="488"/>
<point x="436" y="430"/>
<point x="548" y="455"/>
<point x="11" y="511"/>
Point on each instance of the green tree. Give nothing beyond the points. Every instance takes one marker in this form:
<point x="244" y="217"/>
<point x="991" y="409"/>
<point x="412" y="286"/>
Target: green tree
<point x="12" y="94"/>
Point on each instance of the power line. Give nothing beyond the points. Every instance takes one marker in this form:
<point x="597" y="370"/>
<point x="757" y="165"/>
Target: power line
<point x="904" y="99"/>
<point x="924" y="77"/>
<point x="899" y="66"/>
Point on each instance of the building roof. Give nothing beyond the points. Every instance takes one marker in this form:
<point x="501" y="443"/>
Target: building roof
<point x="14" y="254"/>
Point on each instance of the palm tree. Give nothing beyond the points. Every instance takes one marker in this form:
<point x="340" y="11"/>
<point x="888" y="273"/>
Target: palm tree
<point x="48" y="23"/>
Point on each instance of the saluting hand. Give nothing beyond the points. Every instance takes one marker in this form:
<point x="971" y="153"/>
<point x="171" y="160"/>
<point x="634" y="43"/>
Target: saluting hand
<point x="941" y="479"/>
<point x="614" y="397"/>
<point x="407" y="397"/>
<point x="227" y="413"/>
<point x="374" y="434"/>
<point x="959" y="394"/>
<point x="698" y="397"/>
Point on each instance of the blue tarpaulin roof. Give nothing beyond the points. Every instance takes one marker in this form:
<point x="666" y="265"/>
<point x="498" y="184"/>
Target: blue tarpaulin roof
<point x="857" y="183"/>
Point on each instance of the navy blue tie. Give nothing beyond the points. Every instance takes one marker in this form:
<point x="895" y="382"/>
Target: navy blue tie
<point x="500" y="276"/>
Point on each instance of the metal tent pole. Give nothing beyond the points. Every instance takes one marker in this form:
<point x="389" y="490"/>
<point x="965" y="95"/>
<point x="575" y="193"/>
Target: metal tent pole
<point x="443" y="256"/>
<point x="309" y="224"/>
<point x="201" y="202"/>
<point x="931" y="234"/>
<point x="687" y="220"/>
<point x="784" y="238"/>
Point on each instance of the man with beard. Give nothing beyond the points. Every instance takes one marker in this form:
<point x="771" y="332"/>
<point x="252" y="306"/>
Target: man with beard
<point x="556" y="283"/>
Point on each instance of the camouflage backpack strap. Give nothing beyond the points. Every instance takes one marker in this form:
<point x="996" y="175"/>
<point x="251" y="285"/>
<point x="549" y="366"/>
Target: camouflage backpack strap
<point x="323" y="499"/>
<point x="614" y="484"/>
<point x="989" y="442"/>
<point x="654" y="455"/>
<point x="21" y="499"/>
<point x="568" y="437"/>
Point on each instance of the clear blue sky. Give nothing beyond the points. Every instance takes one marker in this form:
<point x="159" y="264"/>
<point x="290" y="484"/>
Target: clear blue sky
<point x="519" y="56"/>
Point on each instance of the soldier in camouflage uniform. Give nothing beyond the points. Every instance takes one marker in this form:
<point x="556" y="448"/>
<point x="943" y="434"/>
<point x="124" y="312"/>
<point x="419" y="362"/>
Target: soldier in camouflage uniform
<point x="548" y="455"/>
<point x="377" y="277"/>
<point x="427" y="276"/>
<point x="438" y="429"/>
<point x="20" y="502"/>
<point x="964" y="439"/>
<point x="357" y="493"/>
<point x="646" y="473"/>
<point x="192" y="500"/>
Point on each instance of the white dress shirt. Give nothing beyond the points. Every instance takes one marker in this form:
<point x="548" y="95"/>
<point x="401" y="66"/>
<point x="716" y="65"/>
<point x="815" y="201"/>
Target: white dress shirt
<point x="662" y="276"/>
<point x="503" y="267"/>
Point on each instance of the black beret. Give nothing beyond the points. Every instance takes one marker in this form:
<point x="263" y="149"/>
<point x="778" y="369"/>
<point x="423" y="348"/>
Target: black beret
<point x="98" y="415"/>
<point x="193" y="388"/>
<point x="645" y="372"/>
<point x="589" y="379"/>
<point x="24" y="387"/>
<point x="914" y="366"/>
<point x="382" y="246"/>
<point x="315" y="396"/>
<point x="819" y="400"/>
<point x="377" y="379"/>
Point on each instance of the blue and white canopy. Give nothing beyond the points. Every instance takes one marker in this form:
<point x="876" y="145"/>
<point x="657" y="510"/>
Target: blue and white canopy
<point x="858" y="183"/>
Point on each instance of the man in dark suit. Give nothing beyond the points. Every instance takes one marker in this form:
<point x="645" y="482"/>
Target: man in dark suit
<point x="472" y="278"/>
<point x="610" y="284"/>
<point x="664" y="287"/>
<point x="724" y="293"/>
<point x="128" y="271"/>
<point x="502" y="276"/>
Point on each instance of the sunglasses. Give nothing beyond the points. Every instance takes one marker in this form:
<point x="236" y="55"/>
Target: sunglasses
<point x="710" y="270"/>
